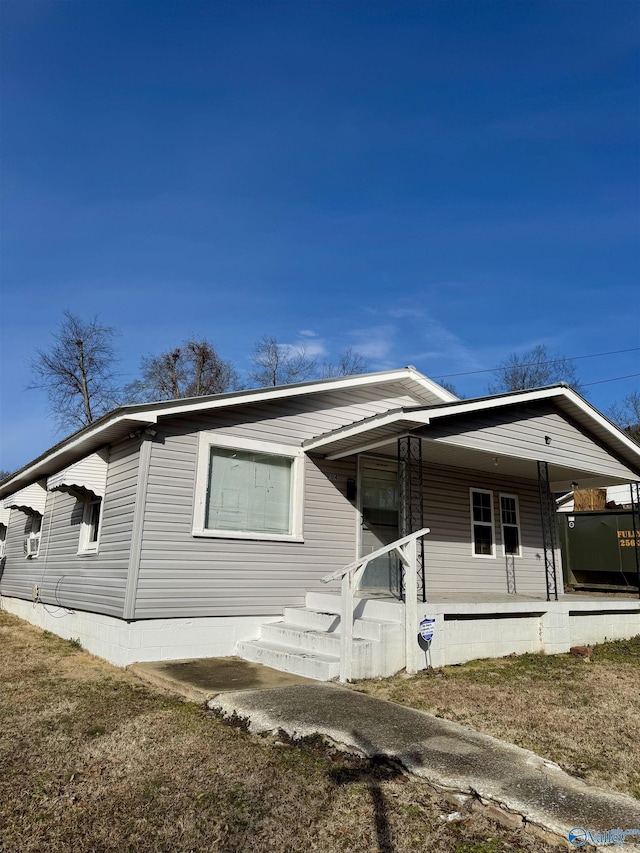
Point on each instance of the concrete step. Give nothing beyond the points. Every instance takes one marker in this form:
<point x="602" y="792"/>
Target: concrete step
<point x="325" y="642"/>
<point x="321" y="667"/>
<point x="316" y="620"/>
<point x="386" y="609"/>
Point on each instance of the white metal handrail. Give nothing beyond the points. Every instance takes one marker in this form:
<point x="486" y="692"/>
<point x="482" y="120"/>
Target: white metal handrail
<point x="350" y="576"/>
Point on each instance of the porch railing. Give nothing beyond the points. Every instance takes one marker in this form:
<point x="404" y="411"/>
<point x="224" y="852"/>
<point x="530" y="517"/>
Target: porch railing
<point x="350" y="576"/>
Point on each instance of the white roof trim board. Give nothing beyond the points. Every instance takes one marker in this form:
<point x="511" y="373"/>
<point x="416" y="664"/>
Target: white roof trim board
<point x="89" y="474"/>
<point x="31" y="499"/>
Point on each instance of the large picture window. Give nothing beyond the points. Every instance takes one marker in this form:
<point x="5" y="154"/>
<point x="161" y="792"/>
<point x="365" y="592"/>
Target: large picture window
<point x="510" y="523"/>
<point x="248" y="489"/>
<point x="482" y="535"/>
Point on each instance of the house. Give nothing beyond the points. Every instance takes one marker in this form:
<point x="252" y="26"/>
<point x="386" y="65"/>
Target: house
<point x="206" y="527"/>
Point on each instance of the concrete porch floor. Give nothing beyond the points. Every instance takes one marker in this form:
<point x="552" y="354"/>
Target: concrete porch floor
<point x="506" y="597"/>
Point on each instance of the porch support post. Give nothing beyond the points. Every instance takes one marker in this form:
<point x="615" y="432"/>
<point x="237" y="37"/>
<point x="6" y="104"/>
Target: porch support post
<point x="411" y="497"/>
<point x="548" y="519"/>
<point x="634" y="488"/>
<point x="411" y="606"/>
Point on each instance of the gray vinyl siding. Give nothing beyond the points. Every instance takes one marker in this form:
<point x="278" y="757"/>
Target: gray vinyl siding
<point x="181" y="575"/>
<point x="520" y="431"/>
<point x="93" y="582"/>
<point x="450" y="564"/>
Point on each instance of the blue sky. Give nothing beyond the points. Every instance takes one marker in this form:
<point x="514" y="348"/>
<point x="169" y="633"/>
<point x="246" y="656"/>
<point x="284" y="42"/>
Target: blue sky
<point x="434" y="183"/>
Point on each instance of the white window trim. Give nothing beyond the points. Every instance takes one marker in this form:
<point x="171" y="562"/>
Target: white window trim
<point x="490" y="524"/>
<point x="207" y="440"/>
<point x="4" y="529"/>
<point x="86" y="548"/>
<point x="517" y="524"/>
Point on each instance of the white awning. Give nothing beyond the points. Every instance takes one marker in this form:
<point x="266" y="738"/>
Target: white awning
<point x="31" y="499"/>
<point x="89" y="474"/>
<point x="4" y="515"/>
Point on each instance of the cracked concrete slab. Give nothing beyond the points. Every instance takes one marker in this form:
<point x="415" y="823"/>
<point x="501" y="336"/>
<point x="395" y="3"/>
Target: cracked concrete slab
<point x="447" y="755"/>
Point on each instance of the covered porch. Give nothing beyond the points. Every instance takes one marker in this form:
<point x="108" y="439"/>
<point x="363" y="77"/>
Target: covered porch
<point x="482" y="476"/>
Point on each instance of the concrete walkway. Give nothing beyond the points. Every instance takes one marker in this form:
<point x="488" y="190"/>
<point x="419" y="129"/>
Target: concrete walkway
<point x="514" y="782"/>
<point x="445" y="754"/>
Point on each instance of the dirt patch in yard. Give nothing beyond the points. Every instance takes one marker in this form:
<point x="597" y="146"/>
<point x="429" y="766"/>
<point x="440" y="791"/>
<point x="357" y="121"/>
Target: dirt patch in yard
<point x="582" y="714"/>
<point x="93" y="760"/>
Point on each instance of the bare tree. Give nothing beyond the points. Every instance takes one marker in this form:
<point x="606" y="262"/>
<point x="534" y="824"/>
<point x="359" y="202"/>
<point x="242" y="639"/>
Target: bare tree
<point x="533" y="369"/>
<point x="348" y="364"/>
<point x="451" y="388"/>
<point x="194" y="369"/>
<point x="626" y="414"/>
<point x="77" y="372"/>
<point x="280" y="364"/>
<point x="5" y="474"/>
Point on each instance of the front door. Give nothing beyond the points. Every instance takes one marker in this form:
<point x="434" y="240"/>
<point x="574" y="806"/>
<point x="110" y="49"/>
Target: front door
<point x="379" y="525"/>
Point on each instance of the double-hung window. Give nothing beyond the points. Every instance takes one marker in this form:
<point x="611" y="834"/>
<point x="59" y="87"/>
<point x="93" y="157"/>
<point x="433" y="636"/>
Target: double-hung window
<point x="482" y="535"/>
<point x="248" y="489"/>
<point x="90" y="529"/>
<point x="510" y="523"/>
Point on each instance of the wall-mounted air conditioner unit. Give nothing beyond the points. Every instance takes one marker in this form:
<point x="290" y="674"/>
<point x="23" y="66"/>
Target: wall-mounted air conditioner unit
<point x="31" y="546"/>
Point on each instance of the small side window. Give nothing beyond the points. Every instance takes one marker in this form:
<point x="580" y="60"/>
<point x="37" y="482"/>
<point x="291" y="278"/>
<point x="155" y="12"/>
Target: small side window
<point x="3" y="539"/>
<point x="32" y="539"/>
<point x="90" y="531"/>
